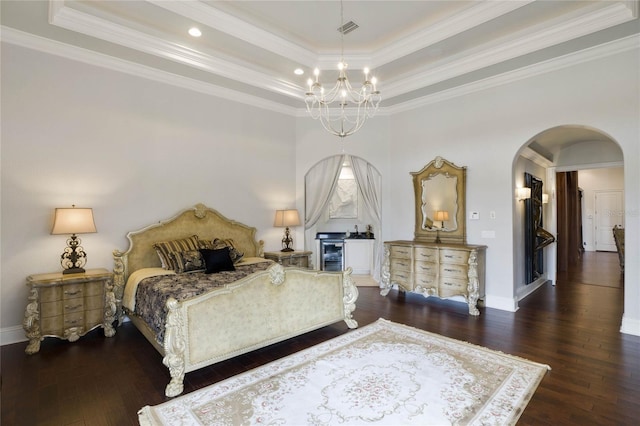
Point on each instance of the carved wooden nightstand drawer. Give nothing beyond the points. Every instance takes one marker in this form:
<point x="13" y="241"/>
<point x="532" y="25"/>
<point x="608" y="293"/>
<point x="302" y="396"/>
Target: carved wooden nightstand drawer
<point x="68" y="306"/>
<point x="426" y="254"/>
<point x="299" y="259"/>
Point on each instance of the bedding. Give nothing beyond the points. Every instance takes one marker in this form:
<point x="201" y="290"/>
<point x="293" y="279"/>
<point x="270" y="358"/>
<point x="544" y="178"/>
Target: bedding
<point x="152" y="293"/>
<point x="240" y="302"/>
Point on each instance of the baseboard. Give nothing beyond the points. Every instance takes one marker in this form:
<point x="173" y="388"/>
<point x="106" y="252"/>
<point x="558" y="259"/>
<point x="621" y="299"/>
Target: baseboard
<point x="531" y="288"/>
<point x="11" y="335"/>
<point x="364" y="281"/>
<point x="630" y="326"/>
<point x="502" y="303"/>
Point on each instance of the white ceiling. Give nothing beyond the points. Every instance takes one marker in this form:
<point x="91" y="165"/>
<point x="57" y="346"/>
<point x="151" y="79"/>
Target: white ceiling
<point x="251" y="48"/>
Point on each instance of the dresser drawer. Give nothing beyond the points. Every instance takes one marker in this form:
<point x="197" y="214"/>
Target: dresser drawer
<point x="426" y="254"/>
<point x="453" y="270"/>
<point x="93" y="317"/>
<point x="52" y="326"/>
<point x="94" y="288"/>
<point x="401" y="265"/>
<point x="50" y="309"/>
<point x="49" y="294"/>
<point x="401" y="252"/>
<point x="454" y="256"/>
<point x="73" y="305"/>
<point x="72" y="291"/>
<point x="450" y="286"/>
<point x="426" y="280"/>
<point x="75" y="319"/>
<point x="426" y="268"/>
<point x="403" y="278"/>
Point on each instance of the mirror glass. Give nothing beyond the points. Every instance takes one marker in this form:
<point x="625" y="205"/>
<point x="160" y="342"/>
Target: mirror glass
<point x="439" y="202"/>
<point x="440" y="193"/>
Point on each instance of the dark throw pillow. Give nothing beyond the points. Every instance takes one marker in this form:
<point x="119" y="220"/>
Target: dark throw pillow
<point x="217" y="260"/>
<point x="188" y="261"/>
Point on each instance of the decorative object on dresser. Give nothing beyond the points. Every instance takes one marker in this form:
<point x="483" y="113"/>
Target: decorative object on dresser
<point x="73" y="221"/>
<point x="201" y="318"/>
<point x="438" y="262"/>
<point x="68" y="306"/>
<point x="290" y="258"/>
<point x="285" y="219"/>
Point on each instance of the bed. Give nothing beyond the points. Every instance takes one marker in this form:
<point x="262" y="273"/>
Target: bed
<point x="270" y="303"/>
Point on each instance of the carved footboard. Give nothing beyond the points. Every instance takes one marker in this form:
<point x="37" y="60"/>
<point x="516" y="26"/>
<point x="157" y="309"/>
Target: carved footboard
<point x="259" y="310"/>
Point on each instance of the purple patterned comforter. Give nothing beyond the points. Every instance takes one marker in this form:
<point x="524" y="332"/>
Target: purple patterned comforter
<point x="153" y="293"/>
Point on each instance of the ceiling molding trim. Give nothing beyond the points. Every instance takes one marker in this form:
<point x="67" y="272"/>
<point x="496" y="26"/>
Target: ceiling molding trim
<point x="71" y="19"/>
<point x="593" y="53"/>
<point x="75" y="53"/>
<point x="535" y="157"/>
<point x="457" y="24"/>
<point x="590" y="166"/>
<point x="530" y="40"/>
<point x="218" y="20"/>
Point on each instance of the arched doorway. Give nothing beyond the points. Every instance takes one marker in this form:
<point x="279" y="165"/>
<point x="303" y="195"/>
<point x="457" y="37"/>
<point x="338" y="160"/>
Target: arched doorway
<point x="341" y="193"/>
<point x="558" y="155"/>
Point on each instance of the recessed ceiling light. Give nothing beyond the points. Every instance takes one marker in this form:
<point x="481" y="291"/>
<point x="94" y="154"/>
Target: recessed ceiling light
<point x="194" y="32"/>
<point x="298" y="71"/>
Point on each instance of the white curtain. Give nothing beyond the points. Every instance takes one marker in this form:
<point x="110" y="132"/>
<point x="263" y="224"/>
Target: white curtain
<point x="369" y="183"/>
<point x="319" y="185"/>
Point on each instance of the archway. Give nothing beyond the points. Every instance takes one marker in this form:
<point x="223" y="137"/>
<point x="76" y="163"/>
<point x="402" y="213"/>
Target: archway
<point x="565" y="149"/>
<point x="323" y="183"/>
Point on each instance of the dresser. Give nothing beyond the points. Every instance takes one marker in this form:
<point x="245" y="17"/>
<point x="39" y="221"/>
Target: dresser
<point x="435" y="269"/>
<point x="68" y="306"/>
<point x="289" y="258"/>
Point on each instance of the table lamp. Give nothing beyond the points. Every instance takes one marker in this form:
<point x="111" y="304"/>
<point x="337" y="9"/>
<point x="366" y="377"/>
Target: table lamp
<point x="285" y="219"/>
<point x="73" y="221"/>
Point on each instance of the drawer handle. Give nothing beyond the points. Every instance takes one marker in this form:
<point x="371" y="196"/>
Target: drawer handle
<point x="451" y="270"/>
<point x="448" y="256"/>
<point x="402" y="264"/>
<point x="73" y="322"/>
<point x="72" y="293"/>
<point x="72" y="307"/>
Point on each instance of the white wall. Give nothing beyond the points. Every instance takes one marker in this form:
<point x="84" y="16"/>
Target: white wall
<point x="484" y="131"/>
<point x="135" y="150"/>
<point x="591" y="181"/>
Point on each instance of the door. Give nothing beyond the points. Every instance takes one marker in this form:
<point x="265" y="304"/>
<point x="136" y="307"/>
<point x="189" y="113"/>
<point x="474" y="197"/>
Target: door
<point x="608" y="212"/>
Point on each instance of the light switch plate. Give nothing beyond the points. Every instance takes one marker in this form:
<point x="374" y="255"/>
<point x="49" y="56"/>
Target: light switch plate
<point x="474" y="215"/>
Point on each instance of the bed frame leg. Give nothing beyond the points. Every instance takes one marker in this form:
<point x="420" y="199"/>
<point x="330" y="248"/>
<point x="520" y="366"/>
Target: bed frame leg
<point x="174" y="349"/>
<point x="350" y="297"/>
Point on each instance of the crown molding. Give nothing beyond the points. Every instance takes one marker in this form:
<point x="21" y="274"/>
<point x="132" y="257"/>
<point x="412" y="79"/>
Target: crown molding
<point x="539" y="37"/>
<point x="536" y="157"/>
<point x="45" y="45"/>
<point x="576" y="58"/>
<point x="42" y="44"/>
<point x="449" y="27"/>
<point x="74" y="20"/>
<point x="214" y="18"/>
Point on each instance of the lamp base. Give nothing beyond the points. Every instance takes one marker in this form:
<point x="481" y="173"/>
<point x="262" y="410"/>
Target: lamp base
<point x="73" y="271"/>
<point x="287" y="249"/>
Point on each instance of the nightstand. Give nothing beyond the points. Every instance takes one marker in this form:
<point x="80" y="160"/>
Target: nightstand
<point x="68" y="306"/>
<point x="289" y="258"/>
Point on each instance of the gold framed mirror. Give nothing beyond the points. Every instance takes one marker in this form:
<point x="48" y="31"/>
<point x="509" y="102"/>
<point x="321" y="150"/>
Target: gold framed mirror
<point x="440" y="202"/>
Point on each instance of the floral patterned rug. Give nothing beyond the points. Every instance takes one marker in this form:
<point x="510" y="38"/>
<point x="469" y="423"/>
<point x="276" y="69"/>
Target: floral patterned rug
<point x="383" y="373"/>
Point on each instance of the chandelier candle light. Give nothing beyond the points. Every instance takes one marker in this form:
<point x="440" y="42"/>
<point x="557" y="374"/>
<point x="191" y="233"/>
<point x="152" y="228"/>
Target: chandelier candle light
<point x="343" y="109"/>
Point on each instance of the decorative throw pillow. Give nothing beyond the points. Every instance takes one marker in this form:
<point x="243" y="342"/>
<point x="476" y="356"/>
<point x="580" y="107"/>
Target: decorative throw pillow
<point x="235" y="254"/>
<point x="165" y="248"/>
<point x="217" y="260"/>
<point x="188" y="261"/>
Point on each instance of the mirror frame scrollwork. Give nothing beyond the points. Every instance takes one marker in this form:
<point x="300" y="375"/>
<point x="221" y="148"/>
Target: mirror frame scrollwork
<point x="440" y="166"/>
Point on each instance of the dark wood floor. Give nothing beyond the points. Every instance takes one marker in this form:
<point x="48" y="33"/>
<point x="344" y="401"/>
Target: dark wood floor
<point x="573" y="327"/>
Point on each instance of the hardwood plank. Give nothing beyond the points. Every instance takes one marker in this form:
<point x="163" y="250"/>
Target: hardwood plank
<point x="573" y="327"/>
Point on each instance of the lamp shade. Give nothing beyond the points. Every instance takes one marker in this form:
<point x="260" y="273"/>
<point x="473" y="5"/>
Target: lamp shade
<point x="73" y="221"/>
<point x="441" y="215"/>
<point x="286" y="218"/>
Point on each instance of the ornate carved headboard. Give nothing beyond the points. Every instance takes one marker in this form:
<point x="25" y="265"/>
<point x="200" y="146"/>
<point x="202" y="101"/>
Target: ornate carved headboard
<point x="200" y="220"/>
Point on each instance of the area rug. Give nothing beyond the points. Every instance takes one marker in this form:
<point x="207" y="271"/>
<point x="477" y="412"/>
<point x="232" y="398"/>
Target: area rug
<point x="383" y="373"/>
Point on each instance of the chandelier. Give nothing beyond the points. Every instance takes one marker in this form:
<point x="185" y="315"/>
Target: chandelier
<point x="343" y="109"/>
